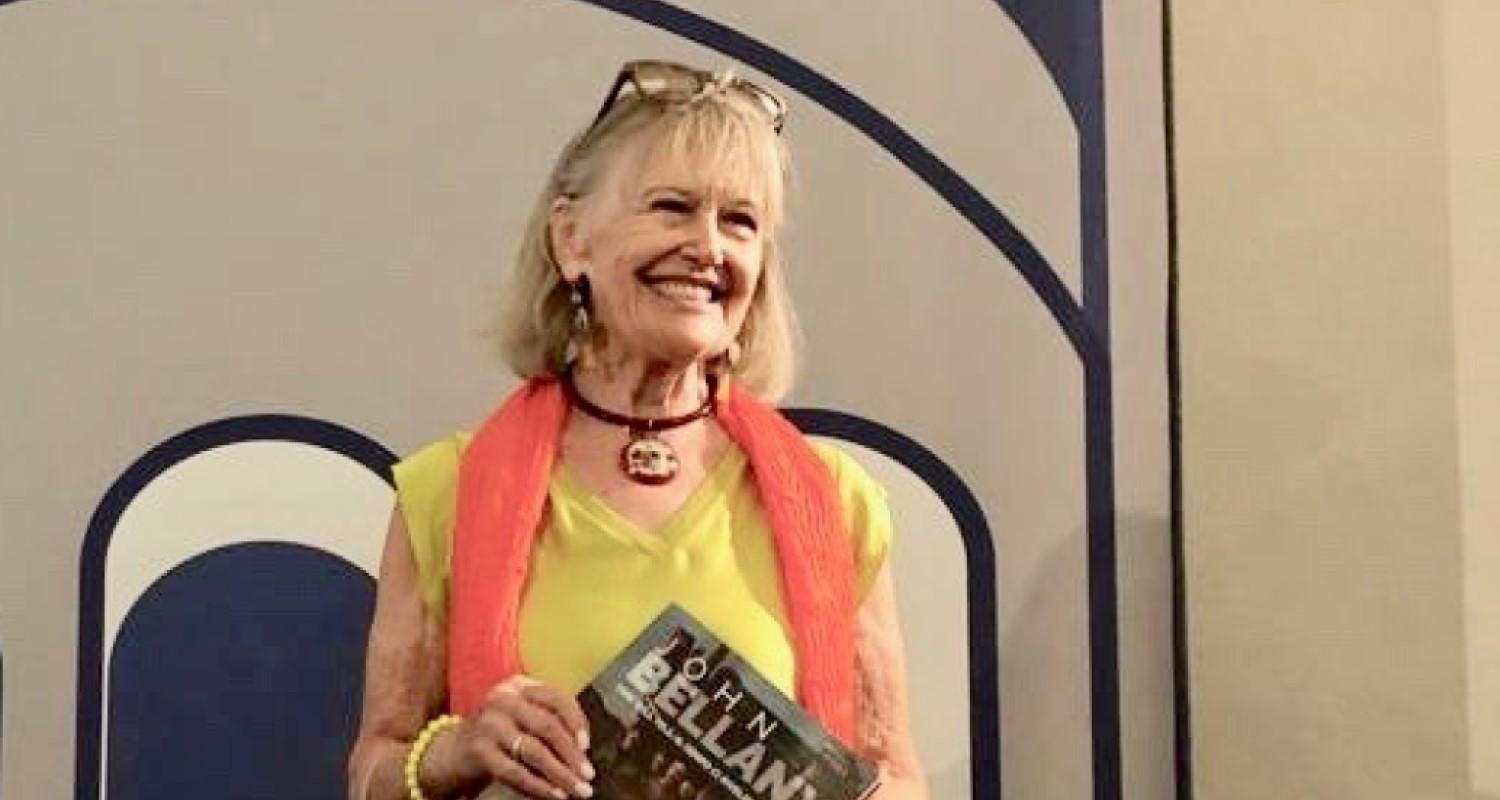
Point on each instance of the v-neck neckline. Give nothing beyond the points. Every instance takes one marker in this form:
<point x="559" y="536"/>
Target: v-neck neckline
<point x="677" y="524"/>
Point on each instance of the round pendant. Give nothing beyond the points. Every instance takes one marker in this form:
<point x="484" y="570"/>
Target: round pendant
<point x="649" y="460"/>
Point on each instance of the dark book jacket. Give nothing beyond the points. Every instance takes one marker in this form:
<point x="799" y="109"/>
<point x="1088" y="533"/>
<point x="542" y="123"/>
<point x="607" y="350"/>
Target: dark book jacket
<point x="680" y="716"/>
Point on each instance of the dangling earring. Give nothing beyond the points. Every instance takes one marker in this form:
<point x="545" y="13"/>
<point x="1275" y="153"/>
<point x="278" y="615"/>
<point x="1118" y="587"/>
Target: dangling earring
<point x="578" y="297"/>
<point x="732" y="355"/>
<point x="577" y="348"/>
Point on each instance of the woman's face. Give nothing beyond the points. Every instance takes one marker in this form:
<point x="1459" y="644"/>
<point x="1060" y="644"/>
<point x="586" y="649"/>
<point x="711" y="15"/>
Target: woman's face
<point x="672" y="252"/>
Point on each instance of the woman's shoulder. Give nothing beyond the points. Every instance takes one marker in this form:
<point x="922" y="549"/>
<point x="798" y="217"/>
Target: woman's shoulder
<point x="427" y="492"/>
<point x="849" y="476"/>
<point x="437" y="458"/>
<point x="429" y="474"/>
<point x="866" y="512"/>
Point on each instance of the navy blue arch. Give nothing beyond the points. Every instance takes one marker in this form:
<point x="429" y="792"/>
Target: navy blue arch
<point x="980" y="574"/>
<point x="1069" y="38"/>
<point x="262" y="427"/>
<point x="261" y="695"/>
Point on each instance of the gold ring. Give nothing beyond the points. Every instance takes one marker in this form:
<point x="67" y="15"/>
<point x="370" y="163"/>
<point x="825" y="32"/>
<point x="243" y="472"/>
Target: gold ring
<point x="516" y="746"/>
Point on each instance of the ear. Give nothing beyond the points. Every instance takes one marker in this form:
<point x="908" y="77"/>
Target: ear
<point x="564" y="228"/>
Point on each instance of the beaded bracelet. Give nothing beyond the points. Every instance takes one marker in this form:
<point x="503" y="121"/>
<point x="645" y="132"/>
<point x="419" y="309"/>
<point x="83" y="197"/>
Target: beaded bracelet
<point x="419" y="747"/>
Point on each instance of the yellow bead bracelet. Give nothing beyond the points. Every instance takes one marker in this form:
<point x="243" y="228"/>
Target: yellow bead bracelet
<point x="413" y="767"/>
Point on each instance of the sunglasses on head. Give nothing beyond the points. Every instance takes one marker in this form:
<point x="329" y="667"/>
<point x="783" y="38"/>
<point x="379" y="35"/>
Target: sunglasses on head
<point x="666" y="79"/>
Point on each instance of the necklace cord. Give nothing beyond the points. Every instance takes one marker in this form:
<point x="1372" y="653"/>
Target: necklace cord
<point x="647" y="424"/>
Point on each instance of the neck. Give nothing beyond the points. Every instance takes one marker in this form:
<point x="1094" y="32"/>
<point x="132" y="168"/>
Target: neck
<point x="643" y="388"/>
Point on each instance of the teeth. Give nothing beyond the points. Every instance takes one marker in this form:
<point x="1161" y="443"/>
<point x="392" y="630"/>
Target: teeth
<point x="681" y="290"/>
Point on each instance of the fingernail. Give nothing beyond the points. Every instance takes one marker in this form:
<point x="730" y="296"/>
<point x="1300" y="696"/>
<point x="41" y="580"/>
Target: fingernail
<point x="583" y="740"/>
<point x="583" y="790"/>
<point x="559" y="794"/>
<point x="587" y="770"/>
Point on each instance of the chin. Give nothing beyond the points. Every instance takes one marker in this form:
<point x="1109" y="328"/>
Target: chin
<point x="683" y="347"/>
<point x="685" y="353"/>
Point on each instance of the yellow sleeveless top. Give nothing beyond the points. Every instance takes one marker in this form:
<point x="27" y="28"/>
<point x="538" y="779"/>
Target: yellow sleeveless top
<point x="597" y="579"/>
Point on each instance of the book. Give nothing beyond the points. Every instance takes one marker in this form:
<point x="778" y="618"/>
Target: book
<point x="678" y="715"/>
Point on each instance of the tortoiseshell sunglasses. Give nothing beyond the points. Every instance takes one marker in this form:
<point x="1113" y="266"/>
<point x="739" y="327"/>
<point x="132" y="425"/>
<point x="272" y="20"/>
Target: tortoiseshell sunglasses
<point x="678" y="81"/>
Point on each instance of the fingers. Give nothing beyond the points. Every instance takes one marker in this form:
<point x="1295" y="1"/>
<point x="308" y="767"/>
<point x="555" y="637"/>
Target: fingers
<point x="556" y="745"/>
<point x="531" y="740"/>
<point x="564" y="706"/>
<point x="544" y="712"/>
<point x="516" y="775"/>
<point x="542" y="761"/>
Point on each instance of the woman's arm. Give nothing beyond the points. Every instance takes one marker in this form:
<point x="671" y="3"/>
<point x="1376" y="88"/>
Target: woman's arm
<point x="404" y="685"/>
<point x="885" y="734"/>
<point x="405" y="680"/>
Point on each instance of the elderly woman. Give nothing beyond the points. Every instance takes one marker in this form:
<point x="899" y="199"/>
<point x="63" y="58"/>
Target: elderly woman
<point x="640" y="464"/>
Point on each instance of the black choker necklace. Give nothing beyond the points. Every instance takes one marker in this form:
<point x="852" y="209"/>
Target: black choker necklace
<point x="646" y="458"/>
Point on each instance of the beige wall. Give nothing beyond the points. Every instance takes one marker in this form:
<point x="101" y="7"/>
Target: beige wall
<point x="1474" y="201"/>
<point x="1337" y="203"/>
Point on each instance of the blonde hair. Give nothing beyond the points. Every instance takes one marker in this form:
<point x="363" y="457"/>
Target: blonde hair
<point x="720" y="133"/>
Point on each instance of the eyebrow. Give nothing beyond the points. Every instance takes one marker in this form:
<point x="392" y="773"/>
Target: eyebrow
<point x="739" y="202"/>
<point x="667" y="187"/>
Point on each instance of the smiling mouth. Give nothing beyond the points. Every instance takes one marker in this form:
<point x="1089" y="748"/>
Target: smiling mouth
<point x="684" y="289"/>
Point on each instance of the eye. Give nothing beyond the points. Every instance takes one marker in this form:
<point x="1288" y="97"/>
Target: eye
<point x="742" y="219"/>
<point x="671" y="205"/>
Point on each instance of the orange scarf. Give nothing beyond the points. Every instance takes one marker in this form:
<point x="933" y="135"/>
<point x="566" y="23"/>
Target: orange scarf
<point x="502" y="494"/>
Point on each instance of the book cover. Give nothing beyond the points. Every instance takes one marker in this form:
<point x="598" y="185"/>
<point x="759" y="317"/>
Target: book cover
<point x="680" y="716"/>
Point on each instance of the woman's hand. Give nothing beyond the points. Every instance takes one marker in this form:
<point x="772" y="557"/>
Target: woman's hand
<point x="528" y="736"/>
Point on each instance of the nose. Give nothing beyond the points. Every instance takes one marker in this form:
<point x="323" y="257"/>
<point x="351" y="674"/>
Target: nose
<point x="705" y="242"/>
